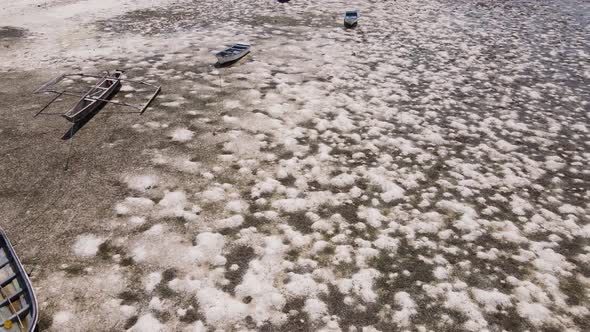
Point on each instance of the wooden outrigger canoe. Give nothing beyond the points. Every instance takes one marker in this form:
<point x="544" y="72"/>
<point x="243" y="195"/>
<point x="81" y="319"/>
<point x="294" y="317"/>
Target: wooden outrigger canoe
<point x="18" y="305"/>
<point x="102" y="90"/>
<point x="96" y="97"/>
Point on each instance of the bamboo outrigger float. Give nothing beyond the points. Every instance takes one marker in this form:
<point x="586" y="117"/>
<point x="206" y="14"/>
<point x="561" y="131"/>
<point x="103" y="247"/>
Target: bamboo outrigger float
<point x="98" y="95"/>
<point x="18" y="305"/>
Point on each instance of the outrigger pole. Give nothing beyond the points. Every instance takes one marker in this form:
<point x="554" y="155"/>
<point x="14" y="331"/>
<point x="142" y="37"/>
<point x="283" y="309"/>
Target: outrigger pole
<point x="47" y="88"/>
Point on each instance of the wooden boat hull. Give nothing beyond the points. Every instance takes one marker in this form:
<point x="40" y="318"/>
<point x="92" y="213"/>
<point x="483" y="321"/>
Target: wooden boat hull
<point x="232" y="54"/>
<point x="18" y="305"/>
<point x="351" y="19"/>
<point x="350" y="23"/>
<point x="95" y="98"/>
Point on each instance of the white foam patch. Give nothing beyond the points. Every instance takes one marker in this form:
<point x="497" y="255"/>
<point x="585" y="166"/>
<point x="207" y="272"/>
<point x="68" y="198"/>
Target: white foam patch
<point x="181" y="135"/>
<point x="148" y="323"/>
<point x="493" y="300"/>
<point x="176" y="204"/>
<point x="360" y="284"/>
<point x="303" y="285"/>
<point x="181" y="162"/>
<point x="230" y="222"/>
<point x="87" y="245"/>
<point x="536" y="313"/>
<point x="237" y="206"/>
<point x="215" y="194"/>
<point x="62" y="317"/>
<point x="209" y="248"/>
<point x="461" y="302"/>
<point x="371" y="215"/>
<point x="152" y="280"/>
<point x="407" y="306"/>
<point x="141" y="182"/>
<point x="197" y="326"/>
<point x="258" y="283"/>
<point x="315" y="309"/>
<point x="134" y="205"/>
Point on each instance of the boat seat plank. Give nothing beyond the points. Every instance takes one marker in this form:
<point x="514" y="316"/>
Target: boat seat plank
<point x="7" y="280"/>
<point x="11" y="298"/>
<point x="4" y="263"/>
<point x="20" y="313"/>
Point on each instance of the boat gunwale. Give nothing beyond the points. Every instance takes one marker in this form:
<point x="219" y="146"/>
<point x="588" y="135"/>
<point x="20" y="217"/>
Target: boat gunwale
<point x="233" y="50"/>
<point x="26" y="292"/>
<point x="70" y="115"/>
<point x="232" y="53"/>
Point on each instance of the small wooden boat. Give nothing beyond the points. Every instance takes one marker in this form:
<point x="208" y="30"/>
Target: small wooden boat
<point x="96" y="97"/>
<point x="351" y="18"/>
<point x="18" y="306"/>
<point x="233" y="53"/>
